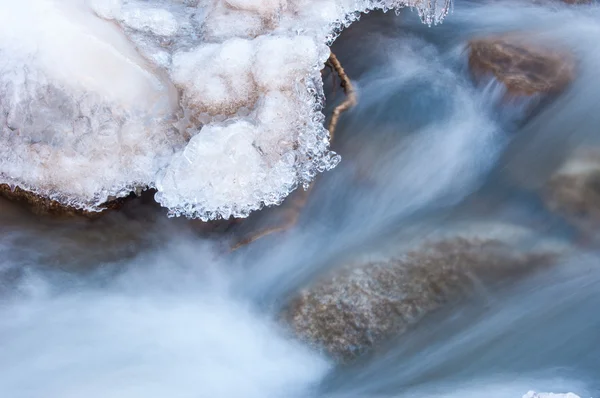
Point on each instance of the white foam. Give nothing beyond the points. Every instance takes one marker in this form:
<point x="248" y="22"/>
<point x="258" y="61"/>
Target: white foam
<point x="164" y="328"/>
<point x="91" y="108"/>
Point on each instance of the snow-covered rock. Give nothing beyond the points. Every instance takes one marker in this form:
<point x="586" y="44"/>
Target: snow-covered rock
<point x="216" y="103"/>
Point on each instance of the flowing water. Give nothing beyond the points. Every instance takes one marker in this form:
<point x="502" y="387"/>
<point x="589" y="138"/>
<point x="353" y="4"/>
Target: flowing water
<point x="138" y="305"/>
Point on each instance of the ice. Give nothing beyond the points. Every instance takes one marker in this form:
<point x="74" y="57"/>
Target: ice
<point x="157" y="21"/>
<point x="231" y="84"/>
<point x="294" y="56"/>
<point x="221" y="167"/>
<point x="533" y="394"/>
<point x="83" y="116"/>
<point x="216" y="104"/>
<point x="107" y="9"/>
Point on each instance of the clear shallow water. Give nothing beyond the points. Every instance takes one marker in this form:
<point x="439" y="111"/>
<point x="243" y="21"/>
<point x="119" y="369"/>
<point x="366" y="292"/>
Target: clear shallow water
<point x="136" y="305"/>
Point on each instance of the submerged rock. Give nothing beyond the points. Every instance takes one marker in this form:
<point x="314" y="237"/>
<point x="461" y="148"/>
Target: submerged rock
<point x="355" y="308"/>
<point x="523" y="65"/>
<point x="574" y="192"/>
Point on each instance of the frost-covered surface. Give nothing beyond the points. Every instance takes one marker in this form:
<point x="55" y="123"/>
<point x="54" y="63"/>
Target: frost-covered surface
<point x="533" y="394"/>
<point x="83" y="114"/>
<point x="217" y="104"/>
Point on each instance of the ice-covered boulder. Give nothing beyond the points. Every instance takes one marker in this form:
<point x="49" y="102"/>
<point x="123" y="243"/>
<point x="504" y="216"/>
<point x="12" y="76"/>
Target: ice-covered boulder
<point x="354" y="308"/>
<point x="215" y="103"/>
<point x="85" y="118"/>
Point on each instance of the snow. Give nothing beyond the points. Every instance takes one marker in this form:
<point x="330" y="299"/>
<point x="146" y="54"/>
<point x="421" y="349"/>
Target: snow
<point x="81" y="109"/>
<point x="231" y="85"/>
<point x="216" y="104"/>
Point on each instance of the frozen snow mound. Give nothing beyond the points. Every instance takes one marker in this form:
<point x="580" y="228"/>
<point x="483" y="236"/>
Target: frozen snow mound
<point x="216" y="104"/>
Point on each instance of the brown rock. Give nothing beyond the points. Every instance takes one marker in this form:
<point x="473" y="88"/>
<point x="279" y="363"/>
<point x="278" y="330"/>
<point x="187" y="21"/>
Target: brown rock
<point x="45" y="206"/>
<point x="524" y="66"/>
<point x="353" y="309"/>
<point x="574" y="193"/>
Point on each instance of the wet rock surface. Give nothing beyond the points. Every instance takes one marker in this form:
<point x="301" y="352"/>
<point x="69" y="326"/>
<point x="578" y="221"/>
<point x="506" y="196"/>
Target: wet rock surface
<point x="355" y="308"/>
<point x="45" y="206"/>
<point x="525" y="66"/>
<point x="573" y="192"/>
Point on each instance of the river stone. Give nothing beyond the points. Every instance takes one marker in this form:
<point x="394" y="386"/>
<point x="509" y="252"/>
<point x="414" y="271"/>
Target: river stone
<point x="354" y="308"/>
<point x="533" y="394"/>
<point x="524" y="66"/>
<point x="573" y="192"/>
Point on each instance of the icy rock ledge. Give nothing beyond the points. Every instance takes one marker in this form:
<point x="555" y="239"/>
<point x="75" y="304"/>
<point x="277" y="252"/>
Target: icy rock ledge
<point x="216" y="104"/>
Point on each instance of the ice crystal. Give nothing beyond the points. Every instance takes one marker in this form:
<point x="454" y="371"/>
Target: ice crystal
<point x="216" y="104"/>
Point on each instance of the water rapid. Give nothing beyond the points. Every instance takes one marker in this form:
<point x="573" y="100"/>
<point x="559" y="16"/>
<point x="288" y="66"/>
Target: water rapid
<point x="138" y="305"/>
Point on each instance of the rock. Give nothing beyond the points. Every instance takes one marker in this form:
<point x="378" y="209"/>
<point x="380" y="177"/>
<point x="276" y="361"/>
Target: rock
<point x="533" y="394"/>
<point x="524" y="66"/>
<point x="573" y="192"/>
<point x="577" y="2"/>
<point x="355" y="308"/>
<point x="44" y="206"/>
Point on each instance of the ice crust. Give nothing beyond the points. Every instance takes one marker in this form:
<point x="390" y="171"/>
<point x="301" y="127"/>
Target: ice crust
<point x="216" y="104"/>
